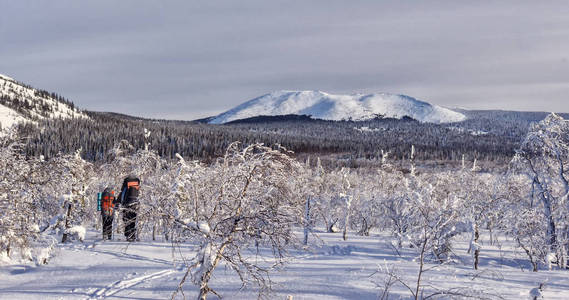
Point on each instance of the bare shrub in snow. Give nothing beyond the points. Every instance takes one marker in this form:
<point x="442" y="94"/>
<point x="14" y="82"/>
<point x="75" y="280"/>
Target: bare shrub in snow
<point x="20" y="207"/>
<point x="329" y="205"/>
<point x="251" y="204"/>
<point x="72" y="176"/>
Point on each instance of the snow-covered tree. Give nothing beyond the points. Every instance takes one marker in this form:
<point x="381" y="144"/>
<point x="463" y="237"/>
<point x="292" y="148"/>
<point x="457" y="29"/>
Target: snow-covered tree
<point x="310" y="184"/>
<point x="250" y="202"/>
<point x="479" y="195"/>
<point x="391" y="193"/>
<point x="71" y="177"/>
<point x="544" y="158"/>
<point x="16" y="208"/>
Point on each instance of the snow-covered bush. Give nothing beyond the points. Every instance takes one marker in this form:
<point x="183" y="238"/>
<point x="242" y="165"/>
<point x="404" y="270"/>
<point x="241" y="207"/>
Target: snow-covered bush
<point x="388" y="202"/>
<point x="18" y="202"/>
<point x="27" y="203"/>
<point x="244" y="201"/>
<point x="329" y="203"/>
<point x="70" y="178"/>
<point x="481" y="197"/>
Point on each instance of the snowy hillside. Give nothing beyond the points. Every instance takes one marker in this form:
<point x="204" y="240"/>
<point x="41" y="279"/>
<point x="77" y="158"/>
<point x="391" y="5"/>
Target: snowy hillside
<point x="9" y="118"/>
<point x="20" y="102"/>
<point x="326" y="106"/>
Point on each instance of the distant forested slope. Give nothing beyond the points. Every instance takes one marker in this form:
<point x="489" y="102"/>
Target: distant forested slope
<point x="486" y="137"/>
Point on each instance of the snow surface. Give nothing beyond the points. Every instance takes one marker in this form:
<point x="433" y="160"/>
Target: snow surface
<point x="2" y="76"/>
<point x="78" y="231"/>
<point x="330" y="269"/>
<point x="326" y="106"/>
<point x="9" y="118"/>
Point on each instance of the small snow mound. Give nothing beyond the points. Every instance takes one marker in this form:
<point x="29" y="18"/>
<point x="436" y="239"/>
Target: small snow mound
<point x="78" y="231"/>
<point x="200" y="226"/>
<point x="204" y="227"/>
<point x="4" y="258"/>
<point x="27" y="254"/>
<point x="43" y="256"/>
<point x="34" y="228"/>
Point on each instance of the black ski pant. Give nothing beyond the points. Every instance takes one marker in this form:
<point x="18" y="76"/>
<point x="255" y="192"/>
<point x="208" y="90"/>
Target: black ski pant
<point x="129" y="218"/>
<point x="107" y="227"/>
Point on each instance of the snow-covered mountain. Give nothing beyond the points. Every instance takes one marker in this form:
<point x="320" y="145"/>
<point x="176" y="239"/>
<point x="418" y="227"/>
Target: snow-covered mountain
<point x="326" y="106"/>
<point x="20" y="102"/>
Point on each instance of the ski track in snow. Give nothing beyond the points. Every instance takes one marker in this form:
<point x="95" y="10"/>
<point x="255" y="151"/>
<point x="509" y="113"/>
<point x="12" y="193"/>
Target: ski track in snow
<point x="331" y="269"/>
<point x="127" y="283"/>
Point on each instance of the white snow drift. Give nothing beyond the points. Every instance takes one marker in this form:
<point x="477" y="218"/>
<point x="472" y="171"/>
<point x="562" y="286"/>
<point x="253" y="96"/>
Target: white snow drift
<point x="326" y="106"/>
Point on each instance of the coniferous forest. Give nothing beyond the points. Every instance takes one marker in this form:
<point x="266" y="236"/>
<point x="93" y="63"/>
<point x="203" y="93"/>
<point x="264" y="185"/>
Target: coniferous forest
<point x="489" y="137"/>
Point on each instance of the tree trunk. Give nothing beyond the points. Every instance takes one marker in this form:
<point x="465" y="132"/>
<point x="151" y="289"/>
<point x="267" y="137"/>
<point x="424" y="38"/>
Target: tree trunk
<point x="203" y="293"/>
<point x="547" y="210"/>
<point x="326" y="223"/>
<point x="347" y="219"/>
<point x="421" y="265"/>
<point x="307" y="220"/>
<point x="365" y="229"/>
<point x="68" y="216"/>
<point x="491" y="233"/>
<point x="204" y="288"/>
<point x="477" y="249"/>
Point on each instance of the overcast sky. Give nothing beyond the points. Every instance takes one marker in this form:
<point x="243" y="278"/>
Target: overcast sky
<point x="192" y="59"/>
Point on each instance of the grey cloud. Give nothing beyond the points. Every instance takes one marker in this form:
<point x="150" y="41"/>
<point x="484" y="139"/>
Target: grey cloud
<point x="184" y="60"/>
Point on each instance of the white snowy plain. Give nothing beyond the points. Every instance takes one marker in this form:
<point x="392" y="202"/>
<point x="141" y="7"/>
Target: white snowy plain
<point x="331" y="269"/>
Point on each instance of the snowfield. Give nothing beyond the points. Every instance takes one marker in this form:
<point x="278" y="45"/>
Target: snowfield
<point x="330" y="269"/>
<point x="327" y="106"/>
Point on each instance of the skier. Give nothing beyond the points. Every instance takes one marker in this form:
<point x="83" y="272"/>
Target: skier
<point x="107" y="207"/>
<point x="129" y="201"/>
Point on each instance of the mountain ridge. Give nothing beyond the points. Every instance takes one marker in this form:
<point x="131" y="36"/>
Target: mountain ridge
<point x="326" y="106"/>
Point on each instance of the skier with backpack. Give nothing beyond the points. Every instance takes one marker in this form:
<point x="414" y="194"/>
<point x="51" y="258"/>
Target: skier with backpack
<point x="129" y="201"/>
<point x="107" y="206"/>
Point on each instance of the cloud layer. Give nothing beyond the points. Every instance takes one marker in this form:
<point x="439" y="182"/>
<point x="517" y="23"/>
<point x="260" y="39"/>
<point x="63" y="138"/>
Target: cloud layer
<point x="185" y="60"/>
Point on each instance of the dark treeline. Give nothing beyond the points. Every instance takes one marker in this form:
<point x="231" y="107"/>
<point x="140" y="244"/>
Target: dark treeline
<point x="503" y="123"/>
<point x="366" y="139"/>
<point x="345" y="140"/>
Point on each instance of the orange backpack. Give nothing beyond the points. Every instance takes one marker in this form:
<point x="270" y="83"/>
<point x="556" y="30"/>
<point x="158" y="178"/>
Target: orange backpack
<point x="107" y="201"/>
